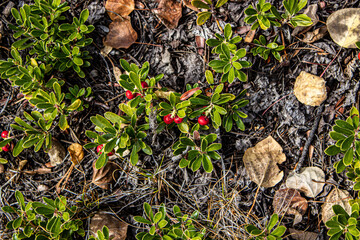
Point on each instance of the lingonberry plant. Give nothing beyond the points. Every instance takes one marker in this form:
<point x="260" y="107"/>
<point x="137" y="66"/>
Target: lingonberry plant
<point x="53" y="219"/>
<point x="190" y="113"/>
<point x="51" y="45"/>
<point x="208" y="7"/>
<point x="263" y="49"/>
<point x="345" y="133"/>
<point x="163" y="226"/>
<point x="264" y="15"/>
<point x="268" y="232"/>
<point x="229" y="63"/>
<point x="344" y="224"/>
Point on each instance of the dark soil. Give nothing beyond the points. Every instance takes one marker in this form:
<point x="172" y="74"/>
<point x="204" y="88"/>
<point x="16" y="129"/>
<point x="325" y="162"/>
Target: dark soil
<point x="225" y="196"/>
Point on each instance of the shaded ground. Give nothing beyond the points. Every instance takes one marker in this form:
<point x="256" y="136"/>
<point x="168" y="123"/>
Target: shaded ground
<point x="225" y="196"/>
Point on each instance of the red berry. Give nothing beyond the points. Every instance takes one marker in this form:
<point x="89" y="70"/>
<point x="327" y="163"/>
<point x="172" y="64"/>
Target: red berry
<point x="202" y="120"/>
<point x="359" y="56"/>
<point x="139" y="94"/>
<point x="98" y="150"/>
<point x="4" y="134"/>
<point x="178" y="119"/>
<point x="144" y="85"/>
<point x="129" y="94"/>
<point x="168" y="119"/>
<point x="6" y="148"/>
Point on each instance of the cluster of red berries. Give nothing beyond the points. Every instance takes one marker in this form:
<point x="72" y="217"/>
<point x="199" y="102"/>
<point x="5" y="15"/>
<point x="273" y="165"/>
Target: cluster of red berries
<point x="202" y="120"/>
<point x="168" y="119"/>
<point x="4" y="135"/>
<point x="98" y="150"/>
<point x="130" y="95"/>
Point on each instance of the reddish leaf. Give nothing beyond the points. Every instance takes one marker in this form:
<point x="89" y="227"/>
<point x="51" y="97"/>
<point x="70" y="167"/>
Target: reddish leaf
<point x="188" y="94"/>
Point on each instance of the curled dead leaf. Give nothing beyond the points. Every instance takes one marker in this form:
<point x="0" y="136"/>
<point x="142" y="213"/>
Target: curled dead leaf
<point x="119" y="7"/>
<point x="76" y="153"/>
<point x="310" y="180"/>
<point x="310" y="89"/>
<point x="121" y="34"/>
<point x="315" y="35"/>
<point x="188" y="4"/>
<point x="261" y="162"/>
<point x="189" y="93"/>
<point x="169" y="12"/>
<point x="289" y="201"/>
<point x="57" y="153"/>
<point x="105" y="176"/>
<point x="335" y="197"/>
<point x="343" y="27"/>
<point x="117" y="73"/>
<point x="117" y="228"/>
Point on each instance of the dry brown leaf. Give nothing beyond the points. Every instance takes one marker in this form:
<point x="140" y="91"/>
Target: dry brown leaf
<point x="200" y="44"/>
<point x="169" y="12"/>
<point x="335" y="197"/>
<point x="310" y="11"/>
<point x="121" y="34"/>
<point x="117" y="73"/>
<point x="315" y="35"/>
<point x="289" y="201"/>
<point x="250" y="36"/>
<point x="163" y="94"/>
<point x="304" y="181"/>
<point x="117" y="228"/>
<point x="302" y="235"/>
<point x="121" y="7"/>
<point x="310" y="89"/>
<point x="105" y="176"/>
<point x="76" y="153"/>
<point x="22" y="164"/>
<point x="261" y="162"/>
<point x="41" y="170"/>
<point x="57" y="153"/>
<point x="343" y="27"/>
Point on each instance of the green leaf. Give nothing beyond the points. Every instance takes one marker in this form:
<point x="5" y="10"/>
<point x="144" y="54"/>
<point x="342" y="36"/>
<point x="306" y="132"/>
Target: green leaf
<point x="141" y="220"/>
<point x="148" y="211"/>
<point x="18" y="148"/>
<point x="134" y="157"/>
<point x="63" y="124"/>
<point x="200" y="4"/>
<point x="347" y="143"/>
<point x="183" y="163"/>
<point x="227" y="30"/>
<point x="344" y="124"/>
<point x="207" y="164"/>
<point x="349" y="156"/>
<point x="213" y="147"/>
<point x="273" y="220"/>
<point x="17" y="223"/>
<point x="279" y="231"/>
<point x="202" y="17"/>
<point x="220" y="3"/>
<point x="162" y="223"/>
<point x="187" y="141"/>
<point x="75" y="105"/>
<point x="332" y="150"/>
<point x="84" y="16"/>
<point x="101" y="161"/>
<point x="20" y="199"/>
<point x="157" y="217"/>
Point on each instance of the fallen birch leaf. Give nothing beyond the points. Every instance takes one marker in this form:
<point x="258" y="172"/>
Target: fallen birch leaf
<point x="302" y="235"/>
<point x="105" y="176"/>
<point x="289" y="201"/>
<point x="121" y="34"/>
<point x="250" y="36"/>
<point x="310" y="89"/>
<point x="335" y="197"/>
<point x="56" y="153"/>
<point x="261" y="162"/>
<point x="117" y="228"/>
<point x="119" y="7"/>
<point x="303" y="181"/>
<point x="169" y="12"/>
<point x="343" y="27"/>
<point x="76" y="153"/>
